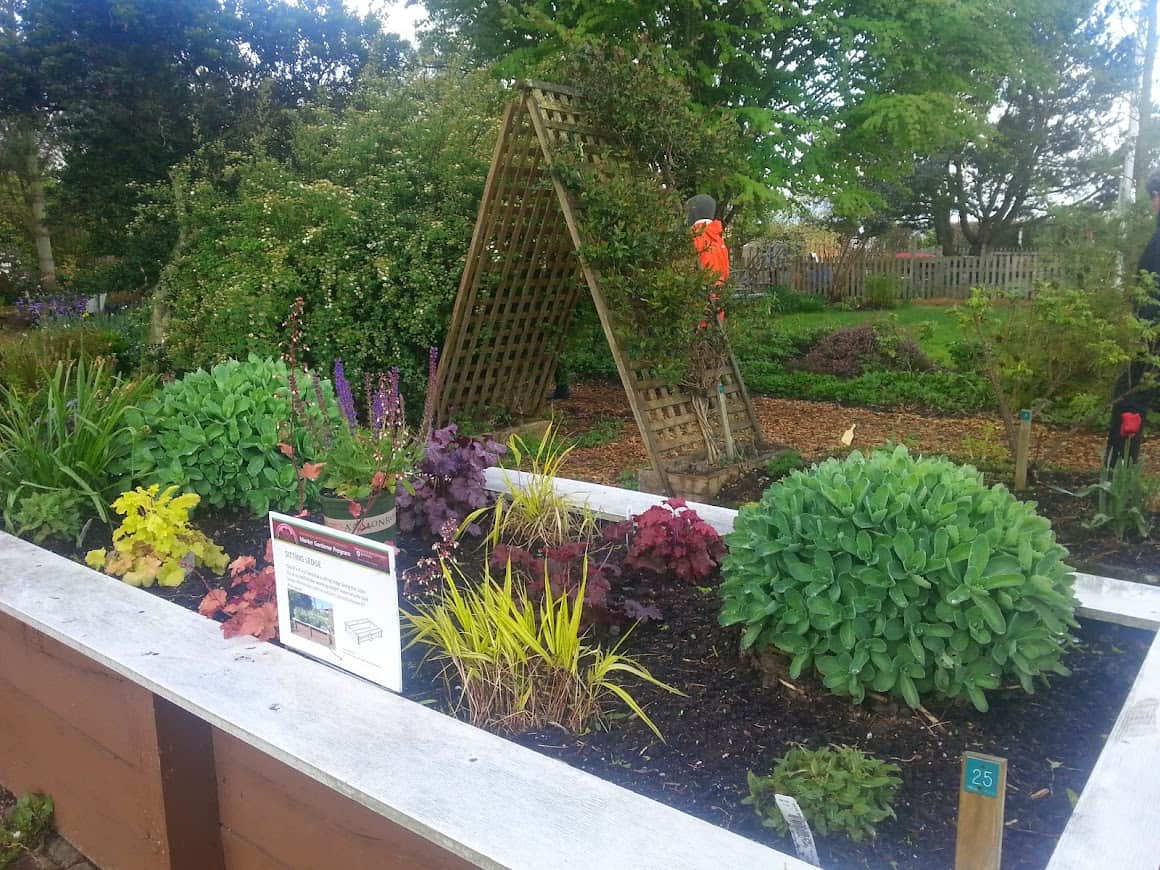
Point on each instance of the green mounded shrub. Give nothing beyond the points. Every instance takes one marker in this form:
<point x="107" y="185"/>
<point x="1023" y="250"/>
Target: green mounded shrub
<point x="840" y="790"/>
<point x="900" y="574"/>
<point x="940" y="392"/>
<point x="216" y="433"/>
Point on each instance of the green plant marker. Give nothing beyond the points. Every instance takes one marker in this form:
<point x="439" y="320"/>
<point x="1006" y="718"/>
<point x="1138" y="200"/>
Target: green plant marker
<point x="982" y="776"/>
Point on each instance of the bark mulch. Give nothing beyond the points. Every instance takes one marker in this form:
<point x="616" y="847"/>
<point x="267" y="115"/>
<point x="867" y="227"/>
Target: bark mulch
<point x="814" y="429"/>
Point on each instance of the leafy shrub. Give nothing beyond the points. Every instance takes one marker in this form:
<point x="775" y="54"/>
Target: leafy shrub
<point x="25" y="826"/>
<point x="784" y="463"/>
<point x="586" y="352"/>
<point x="39" y="514"/>
<point x="1046" y="350"/>
<point x="69" y="439"/>
<point x="942" y="392"/>
<point x="854" y="350"/>
<point x="881" y="292"/>
<point x="670" y="538"/>
<point x="840" y="790"/>
<point x="217" y="433"/>
<point x="155" y="542"/>
<point x="899" y="574"/>
<point x="250" y="602"/>
<point x="450" y="483"/>
<point x="517" y="666"/>
<point x="965" y="354"/>
<point x="368" y="219"/>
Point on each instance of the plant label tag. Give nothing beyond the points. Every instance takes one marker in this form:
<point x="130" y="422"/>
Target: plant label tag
<point x="338" y="599"/>
<point x="799" y="829"/>
<point x="979" y="835"/>
<point x="982" y="776"/>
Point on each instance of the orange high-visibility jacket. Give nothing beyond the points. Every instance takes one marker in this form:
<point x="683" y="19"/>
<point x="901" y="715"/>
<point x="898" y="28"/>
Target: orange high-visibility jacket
<point x="710" y="243"/>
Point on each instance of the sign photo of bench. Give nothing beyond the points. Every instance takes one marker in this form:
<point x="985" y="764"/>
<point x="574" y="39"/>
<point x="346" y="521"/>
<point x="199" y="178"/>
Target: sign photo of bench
<point x="363" y="629"/>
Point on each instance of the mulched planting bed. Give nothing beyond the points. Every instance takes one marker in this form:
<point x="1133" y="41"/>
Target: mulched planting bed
<point x="737" y="717"/>
<point x="1093" y="551"/>
<point x="731" y="723"/>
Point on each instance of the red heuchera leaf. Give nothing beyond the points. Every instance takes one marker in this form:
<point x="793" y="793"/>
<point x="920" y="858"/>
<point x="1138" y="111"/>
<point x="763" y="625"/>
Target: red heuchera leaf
<point x="242" y="564"/>
<point x="672" y="538"/>
<point x="213" y="602"/>
<point x="378" y="480"/>
<point x="355" y="508"/>
<point x="287" y="450"/>
<point x="311" y="470"/>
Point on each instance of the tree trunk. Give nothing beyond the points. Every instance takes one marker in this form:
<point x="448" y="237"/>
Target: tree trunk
<point x="981" y="243"/>
<point x="944" y="233"/>
<point x="33" y="171"/>
<point x="1144" y="135"/>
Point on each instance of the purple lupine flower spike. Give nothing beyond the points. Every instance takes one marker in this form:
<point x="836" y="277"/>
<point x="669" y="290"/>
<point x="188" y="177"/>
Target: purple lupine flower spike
<point x="345" y="396"/>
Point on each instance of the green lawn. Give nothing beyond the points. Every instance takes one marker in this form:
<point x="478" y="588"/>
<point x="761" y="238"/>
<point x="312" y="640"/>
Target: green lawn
<point x="935" y="327"/>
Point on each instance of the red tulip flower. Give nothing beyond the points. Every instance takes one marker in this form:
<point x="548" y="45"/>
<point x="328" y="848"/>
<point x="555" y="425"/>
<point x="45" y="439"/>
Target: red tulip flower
<point x="1130" y="424"/>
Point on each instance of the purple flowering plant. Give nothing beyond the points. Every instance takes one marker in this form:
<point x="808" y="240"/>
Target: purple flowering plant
<point x="48" y="307"/>
<point x="351" y="459"/>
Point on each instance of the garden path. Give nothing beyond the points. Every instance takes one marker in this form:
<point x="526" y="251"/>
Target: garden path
<point x="814" y="429"/>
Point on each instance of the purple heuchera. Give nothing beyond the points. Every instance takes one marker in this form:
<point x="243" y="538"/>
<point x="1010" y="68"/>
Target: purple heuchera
<point x="451" y="482"/>
<point x="345" y="395"/>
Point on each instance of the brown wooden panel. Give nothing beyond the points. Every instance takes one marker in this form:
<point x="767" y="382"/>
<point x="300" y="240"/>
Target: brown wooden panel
<point x="69" y="685"/>
<point x="275" y="817"/>
<point x="108" y="805"/>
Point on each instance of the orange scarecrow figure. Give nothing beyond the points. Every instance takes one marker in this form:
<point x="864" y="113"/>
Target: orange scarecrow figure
<point x="709" y="240"/>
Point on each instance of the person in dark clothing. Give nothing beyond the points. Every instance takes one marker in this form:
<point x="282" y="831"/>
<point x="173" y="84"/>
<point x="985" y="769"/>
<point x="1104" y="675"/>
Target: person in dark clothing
<point x="1132" y="400"/>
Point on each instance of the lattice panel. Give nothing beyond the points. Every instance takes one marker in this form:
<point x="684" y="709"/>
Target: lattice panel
<point x="673" y="422"/>
<point x="521" y="284"/>
<point x="519" y="288"/>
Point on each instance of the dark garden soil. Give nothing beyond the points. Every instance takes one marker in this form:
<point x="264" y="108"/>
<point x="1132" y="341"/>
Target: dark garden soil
<point x="730" y="723"/>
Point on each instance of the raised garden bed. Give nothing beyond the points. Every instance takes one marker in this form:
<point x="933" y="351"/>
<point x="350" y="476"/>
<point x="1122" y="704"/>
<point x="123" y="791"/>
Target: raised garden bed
<point x="730" y="723"/>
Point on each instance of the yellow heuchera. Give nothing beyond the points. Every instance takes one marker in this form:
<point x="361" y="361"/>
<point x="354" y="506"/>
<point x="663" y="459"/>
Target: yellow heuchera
<point x="155" y="542"/>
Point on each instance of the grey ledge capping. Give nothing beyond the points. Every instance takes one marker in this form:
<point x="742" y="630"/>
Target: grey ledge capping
<point x="1116" y="822"/>
<point x="477" y="795"/>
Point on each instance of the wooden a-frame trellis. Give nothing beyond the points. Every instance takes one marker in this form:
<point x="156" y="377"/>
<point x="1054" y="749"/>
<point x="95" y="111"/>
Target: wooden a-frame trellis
<point x="523" y="279"/>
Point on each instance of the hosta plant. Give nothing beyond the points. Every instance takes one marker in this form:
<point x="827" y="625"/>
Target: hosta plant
<point x="840" y="790"/>
<point x="899" y="574"/>
<point x="155" y="542"/>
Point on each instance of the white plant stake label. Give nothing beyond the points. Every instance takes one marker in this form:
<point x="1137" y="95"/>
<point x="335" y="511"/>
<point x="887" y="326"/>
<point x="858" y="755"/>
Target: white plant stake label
<point x="799" y="829"/>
